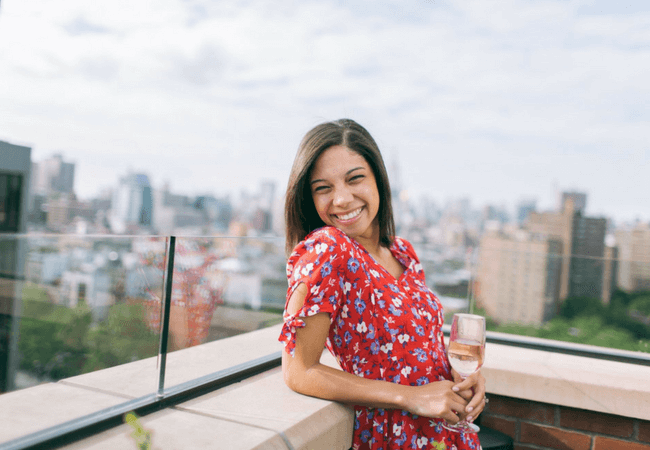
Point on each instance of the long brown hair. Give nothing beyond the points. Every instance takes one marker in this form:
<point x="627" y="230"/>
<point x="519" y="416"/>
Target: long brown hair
<point x="299" y="211"/>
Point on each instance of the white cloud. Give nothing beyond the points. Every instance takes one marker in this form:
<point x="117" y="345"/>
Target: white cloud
<point x="482" y="91"/>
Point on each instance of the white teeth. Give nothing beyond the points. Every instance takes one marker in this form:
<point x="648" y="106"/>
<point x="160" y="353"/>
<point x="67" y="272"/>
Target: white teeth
<point x="353" y="214"/>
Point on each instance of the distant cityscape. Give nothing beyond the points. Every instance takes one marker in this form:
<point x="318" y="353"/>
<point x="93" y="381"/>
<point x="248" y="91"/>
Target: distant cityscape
<point x="519" y="267"/>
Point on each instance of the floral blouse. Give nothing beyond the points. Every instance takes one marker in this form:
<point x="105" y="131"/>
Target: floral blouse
<point x="382" y="328"/>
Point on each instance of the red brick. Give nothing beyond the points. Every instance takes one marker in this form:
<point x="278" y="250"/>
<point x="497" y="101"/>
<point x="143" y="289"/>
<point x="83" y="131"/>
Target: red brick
<point x="605" y="443"/>
<point x="553" y="438"/>
<point x="644" y="431"/>
<point x="504" y="425"/>
<point x="523" y="409"/>
<point x="596" y="422"/>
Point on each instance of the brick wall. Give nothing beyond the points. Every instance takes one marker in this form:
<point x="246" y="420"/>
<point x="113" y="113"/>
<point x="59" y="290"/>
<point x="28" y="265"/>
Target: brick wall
<point x="542" y="426"/>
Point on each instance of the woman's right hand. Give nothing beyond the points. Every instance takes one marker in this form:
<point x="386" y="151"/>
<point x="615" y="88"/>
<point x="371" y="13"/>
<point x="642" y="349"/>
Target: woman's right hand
<point x="437" y="400"/>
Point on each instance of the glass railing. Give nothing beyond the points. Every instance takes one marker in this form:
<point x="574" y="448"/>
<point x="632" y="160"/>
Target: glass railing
<point x="74" y="305"/>
<point x="70" y="305"/>
<point x="599" y="301"/>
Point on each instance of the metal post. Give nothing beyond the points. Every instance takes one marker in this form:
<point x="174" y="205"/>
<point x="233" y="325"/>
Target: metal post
<point x="167" y="303"/>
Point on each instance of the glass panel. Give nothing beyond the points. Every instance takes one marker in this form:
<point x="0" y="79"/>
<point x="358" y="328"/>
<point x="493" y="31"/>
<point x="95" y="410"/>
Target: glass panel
<point x="528" y="287"/>
<point x="222" y="287"/>
<point x="72" y="305"/>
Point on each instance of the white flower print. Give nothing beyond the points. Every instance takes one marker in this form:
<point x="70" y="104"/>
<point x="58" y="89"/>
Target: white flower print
<point x="344" y="311"/>
<point x="422" y="442"/>
<point x="320" y="248"/>
<point x="397" y="429"/>
<point x="387" y="347"/>
<point x="403" y="338"/>
<point x="362" y="328"/>
<point x="307" y="269"/>
<point x="406" y="371"/>
<point x="346" y="287"/>
<point x="397" y="302"/>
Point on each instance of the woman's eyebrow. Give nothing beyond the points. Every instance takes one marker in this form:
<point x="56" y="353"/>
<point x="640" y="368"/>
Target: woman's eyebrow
<point x="319" y="180"/>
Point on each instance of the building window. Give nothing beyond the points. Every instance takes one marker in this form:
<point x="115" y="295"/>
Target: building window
<point x="10" y="186"/>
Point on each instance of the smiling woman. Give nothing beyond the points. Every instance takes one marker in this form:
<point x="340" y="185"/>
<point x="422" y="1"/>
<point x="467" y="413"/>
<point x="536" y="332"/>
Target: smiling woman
<point x="358" y="289"/>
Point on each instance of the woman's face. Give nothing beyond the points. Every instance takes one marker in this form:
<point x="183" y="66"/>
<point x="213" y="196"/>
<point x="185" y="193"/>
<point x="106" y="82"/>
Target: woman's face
<point x="345" y="194"/>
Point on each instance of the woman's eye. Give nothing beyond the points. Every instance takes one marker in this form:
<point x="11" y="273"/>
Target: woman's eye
<point x="320" y="188"/>
<point x="356" y="178"/>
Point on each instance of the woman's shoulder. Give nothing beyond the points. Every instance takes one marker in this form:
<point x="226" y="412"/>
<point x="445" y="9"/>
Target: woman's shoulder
<point x="403" y="246"/>
<point x="323" y="240"/>
<point x="327" y="234"/>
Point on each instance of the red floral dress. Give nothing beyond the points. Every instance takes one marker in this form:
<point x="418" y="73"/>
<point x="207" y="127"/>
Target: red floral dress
<point x="381" y="328"/>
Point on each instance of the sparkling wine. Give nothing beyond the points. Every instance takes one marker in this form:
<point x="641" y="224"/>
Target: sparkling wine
<point x="466" y="356"/>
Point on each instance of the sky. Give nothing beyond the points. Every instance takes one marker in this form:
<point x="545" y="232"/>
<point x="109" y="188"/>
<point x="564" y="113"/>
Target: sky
<point x="494" y="100"/>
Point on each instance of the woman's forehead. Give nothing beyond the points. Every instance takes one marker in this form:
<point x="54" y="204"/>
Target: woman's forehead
<point x="337" y="160"/>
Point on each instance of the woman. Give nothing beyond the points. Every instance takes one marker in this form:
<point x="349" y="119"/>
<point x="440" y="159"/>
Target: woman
<point x="356" y="288"/>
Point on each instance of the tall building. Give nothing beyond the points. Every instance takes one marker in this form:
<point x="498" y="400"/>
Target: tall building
<point x="583" y="245"/>
<point x="53" y="175"/>
<point x="524" y="209"/>
<point x="15" y="172"/>
<point x="132" y="205"/>
<point x="634" y="258"/>
<point x="518" y="276"/>
<point x="524" y="276"/>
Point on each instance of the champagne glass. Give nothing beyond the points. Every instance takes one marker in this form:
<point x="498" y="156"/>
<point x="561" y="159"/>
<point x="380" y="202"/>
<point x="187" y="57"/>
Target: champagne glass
<point x="466" y="352"/>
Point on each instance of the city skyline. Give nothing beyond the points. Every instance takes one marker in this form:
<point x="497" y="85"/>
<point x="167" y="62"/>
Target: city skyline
<point x="482" y="100"/>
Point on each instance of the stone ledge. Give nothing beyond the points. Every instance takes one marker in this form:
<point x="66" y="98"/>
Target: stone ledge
<point x="583" y="383"/>
<point x="280" y="418"/>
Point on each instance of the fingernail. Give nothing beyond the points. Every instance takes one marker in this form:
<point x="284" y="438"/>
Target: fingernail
<point x="469" y="418"/>
<point x="470" y="409"/>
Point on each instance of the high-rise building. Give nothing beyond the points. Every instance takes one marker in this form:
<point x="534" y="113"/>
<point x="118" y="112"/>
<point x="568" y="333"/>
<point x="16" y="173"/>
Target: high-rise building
<point x="583" y="245"/>
<point x="634" y="257"/>
<point x="15" y="172"/>
<point x="578" y="199"/>
<point x="518" y="276"/>
<point x="53" y="175"/>
<point x="524" y="209"/>
<point x="132" y="205"/>
<point x="524" y="276"/>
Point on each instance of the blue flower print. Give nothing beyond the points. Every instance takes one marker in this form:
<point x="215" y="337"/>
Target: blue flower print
<point x="359" y="305"/>
<point x="374" y="347"/>
<point x="415" y="313"/>
<point x="326" y="269"/>
<point x="420" y="354"/>
<point x="365" y="435"/>
<point x="371" y="332"/>
<point x="402" y="439"/>
<point x="390" y="330"/>
<point x="353" y="265"/>
<point x="422" y="381"/>
<point x="338" y="341"/>
<point x="347" y="337"/>
<point x="393" y="288"/>
<point x="419" y="330"/>
<point x="394" y="311"/>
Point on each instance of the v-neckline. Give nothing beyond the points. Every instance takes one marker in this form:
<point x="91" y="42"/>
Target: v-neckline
<point x="395" y="255"/>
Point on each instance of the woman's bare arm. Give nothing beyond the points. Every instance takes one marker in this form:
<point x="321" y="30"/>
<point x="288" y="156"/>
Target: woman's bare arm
<point x="305" y="374"/>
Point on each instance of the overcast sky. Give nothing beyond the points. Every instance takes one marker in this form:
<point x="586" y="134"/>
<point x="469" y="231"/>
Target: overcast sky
<point x="494" y="100"/>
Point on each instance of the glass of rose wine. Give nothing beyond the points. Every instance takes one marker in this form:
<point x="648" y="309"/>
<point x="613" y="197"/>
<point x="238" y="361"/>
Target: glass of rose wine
<point x="466" y="352"/>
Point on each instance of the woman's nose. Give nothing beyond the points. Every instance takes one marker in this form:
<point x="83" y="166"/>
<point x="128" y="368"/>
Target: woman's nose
<point x="342" y="197"/>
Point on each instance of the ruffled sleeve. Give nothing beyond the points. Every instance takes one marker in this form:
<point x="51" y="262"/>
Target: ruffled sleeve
<point x="320" y="261"/>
